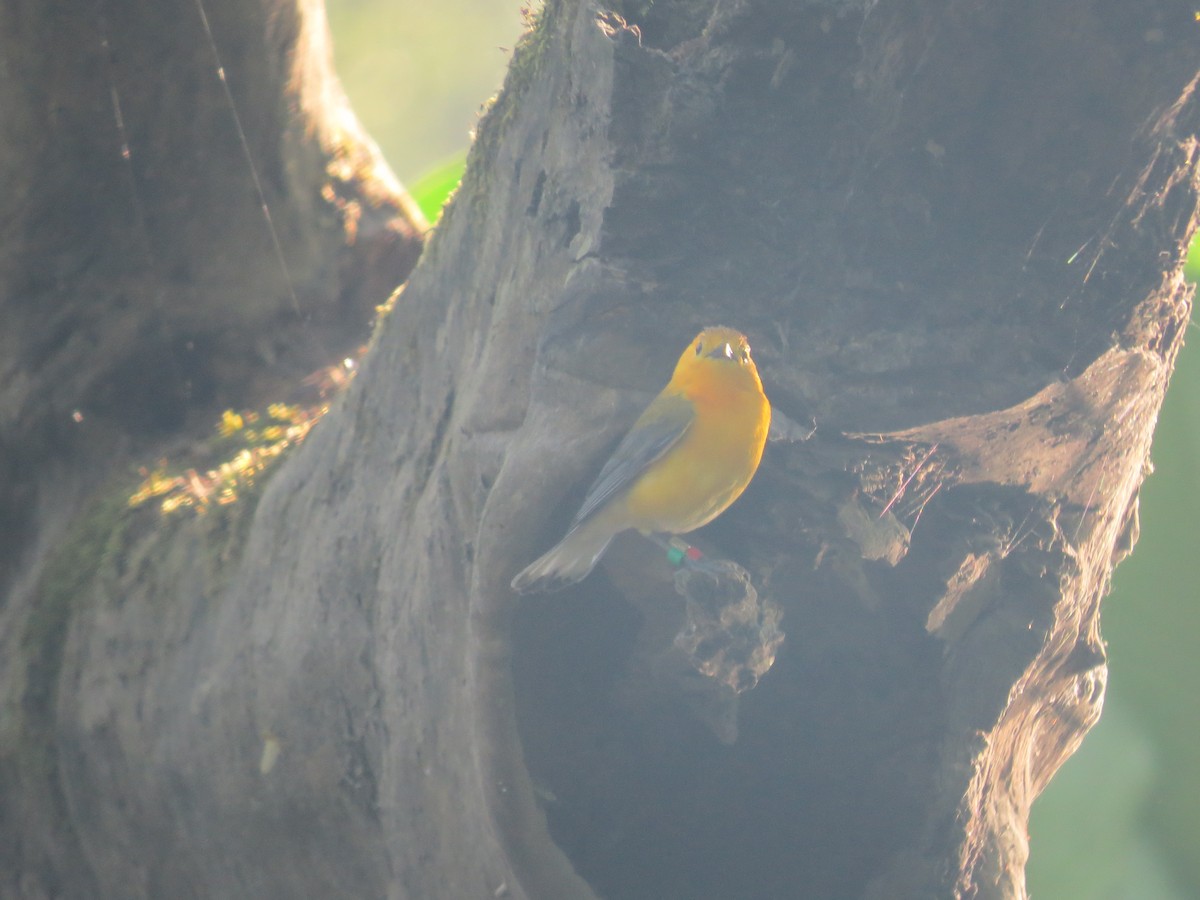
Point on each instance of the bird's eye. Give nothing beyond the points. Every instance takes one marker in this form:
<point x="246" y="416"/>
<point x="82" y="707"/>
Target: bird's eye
<point x="744" y="353"/>
<point x="699" y="347"/>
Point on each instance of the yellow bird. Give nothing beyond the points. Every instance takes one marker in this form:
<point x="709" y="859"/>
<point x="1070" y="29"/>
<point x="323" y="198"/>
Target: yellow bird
<point x="684" y="461"/>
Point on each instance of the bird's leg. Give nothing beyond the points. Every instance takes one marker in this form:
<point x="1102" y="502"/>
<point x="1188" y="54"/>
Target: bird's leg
<point x="679" y="551"/>
<point x="724" y="582"/>
<point x="682" y="555"/>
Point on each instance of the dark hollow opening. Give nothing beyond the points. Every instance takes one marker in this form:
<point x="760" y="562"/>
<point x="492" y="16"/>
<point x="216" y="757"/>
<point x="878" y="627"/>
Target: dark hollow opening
<point x="832" y="763"/>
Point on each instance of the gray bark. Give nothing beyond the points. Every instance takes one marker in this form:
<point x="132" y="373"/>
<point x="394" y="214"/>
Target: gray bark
<point x="141" y="294"/>
<point x="953" y="232"/>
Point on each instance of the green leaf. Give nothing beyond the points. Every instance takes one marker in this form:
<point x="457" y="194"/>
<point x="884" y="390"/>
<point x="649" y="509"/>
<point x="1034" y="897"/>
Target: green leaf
<point x="433" y="189"/>
<point x="1191" y="268"/>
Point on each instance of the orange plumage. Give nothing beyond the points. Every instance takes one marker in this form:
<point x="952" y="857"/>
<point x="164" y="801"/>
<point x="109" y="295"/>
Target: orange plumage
<point x="684" y="461"/>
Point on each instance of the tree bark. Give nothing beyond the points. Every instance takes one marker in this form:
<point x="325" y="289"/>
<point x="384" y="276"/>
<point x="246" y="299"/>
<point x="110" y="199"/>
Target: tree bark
<point x="142" y="291"/>
<point x="953" y="231"/>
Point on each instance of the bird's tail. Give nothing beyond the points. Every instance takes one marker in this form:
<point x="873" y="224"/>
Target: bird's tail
<point x="568" y="561"/>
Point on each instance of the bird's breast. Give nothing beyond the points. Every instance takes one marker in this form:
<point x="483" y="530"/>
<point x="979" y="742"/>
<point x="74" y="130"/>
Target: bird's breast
<point x="708" y="469"/>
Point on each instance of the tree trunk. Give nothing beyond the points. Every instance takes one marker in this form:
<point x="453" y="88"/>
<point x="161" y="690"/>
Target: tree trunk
<point x="142" y="287"/>
<point x="953" y="232"/>
<point x="141" y="292"/>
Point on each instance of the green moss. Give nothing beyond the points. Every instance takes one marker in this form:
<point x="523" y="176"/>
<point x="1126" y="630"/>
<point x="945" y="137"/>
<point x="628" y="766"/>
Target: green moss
<point x="121" y="548"/>
<point x="114" y="550"/>
<point x="27" y="746"/>
<point x="95" y="538"/>
<point x="93" y="541"/>
<point x="528" y="58"/>
<point x="110" y="551"/>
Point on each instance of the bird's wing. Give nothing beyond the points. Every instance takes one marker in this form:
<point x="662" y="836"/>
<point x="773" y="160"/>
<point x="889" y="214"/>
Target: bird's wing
<point x="656" y="431"/>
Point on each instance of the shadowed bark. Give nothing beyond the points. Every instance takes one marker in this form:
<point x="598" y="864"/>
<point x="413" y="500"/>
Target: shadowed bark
<point x="953" y="233"/>
<point x="142" y="292"/>
<point x="142" y="288"/>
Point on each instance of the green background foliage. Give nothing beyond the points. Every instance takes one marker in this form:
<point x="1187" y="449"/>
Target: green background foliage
<point x="1121" y="821"/>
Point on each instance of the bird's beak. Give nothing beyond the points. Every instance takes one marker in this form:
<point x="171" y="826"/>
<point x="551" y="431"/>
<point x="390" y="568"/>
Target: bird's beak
<point x="724" y="350"/>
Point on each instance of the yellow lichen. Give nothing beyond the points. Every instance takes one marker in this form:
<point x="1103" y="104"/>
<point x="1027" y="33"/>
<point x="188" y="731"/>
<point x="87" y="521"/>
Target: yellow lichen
<point x="247" y="444"/>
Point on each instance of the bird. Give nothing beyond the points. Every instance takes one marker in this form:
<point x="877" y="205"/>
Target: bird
<point x="686" y="458"/>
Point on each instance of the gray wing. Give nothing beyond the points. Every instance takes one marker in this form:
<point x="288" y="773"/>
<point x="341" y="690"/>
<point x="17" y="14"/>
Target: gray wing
<point x="656" y="431"/>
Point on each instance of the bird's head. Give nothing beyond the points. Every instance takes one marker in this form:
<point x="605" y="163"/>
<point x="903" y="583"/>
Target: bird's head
<point x="718" y="352"/>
